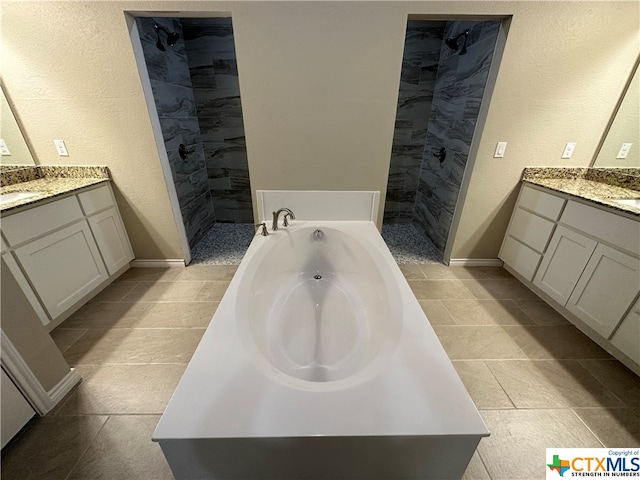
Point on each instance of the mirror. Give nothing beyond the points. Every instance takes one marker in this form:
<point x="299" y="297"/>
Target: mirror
<point x="15" y="152"/>
<point x="623" y="128"/>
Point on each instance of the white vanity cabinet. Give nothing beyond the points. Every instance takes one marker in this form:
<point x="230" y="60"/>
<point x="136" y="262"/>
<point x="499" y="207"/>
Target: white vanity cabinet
<point x="604" y="260"/>
<point x="590" y="269"/>
<point x="563" y="263"/>
<point x="530" y="229"/>
<point x="627" y="336"/>
<point x="107" y="227"/>
<point x="603" y="293"/>
<point x="67" y="249"/>
<point x="63" y="266"/>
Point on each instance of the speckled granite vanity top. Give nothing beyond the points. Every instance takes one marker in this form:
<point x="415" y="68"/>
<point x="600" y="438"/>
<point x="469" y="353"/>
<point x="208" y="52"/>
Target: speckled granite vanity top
<point x="45" y="182"/>
<point x="599" y="185"/>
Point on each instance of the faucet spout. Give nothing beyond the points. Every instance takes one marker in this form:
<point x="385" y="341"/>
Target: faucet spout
<point x="274" y="225"/>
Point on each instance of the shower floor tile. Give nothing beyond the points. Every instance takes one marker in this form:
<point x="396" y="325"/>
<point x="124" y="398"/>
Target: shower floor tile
<point x="408" y="246"/>
<point x="226" y="244"/>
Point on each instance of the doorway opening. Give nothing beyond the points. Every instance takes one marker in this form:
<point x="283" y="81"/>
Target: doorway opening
<point x="190" y="66"/>
<point x="445" y="69"/>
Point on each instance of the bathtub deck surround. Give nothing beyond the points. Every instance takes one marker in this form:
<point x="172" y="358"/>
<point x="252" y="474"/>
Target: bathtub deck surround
<point x="334" y="355"/>
<point x="319" y="204"/>
<point x="125" y="344"/>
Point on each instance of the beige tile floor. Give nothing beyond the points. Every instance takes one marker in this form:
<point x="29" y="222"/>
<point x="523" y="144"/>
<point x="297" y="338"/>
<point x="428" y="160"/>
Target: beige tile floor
<point x="537" y="381"/>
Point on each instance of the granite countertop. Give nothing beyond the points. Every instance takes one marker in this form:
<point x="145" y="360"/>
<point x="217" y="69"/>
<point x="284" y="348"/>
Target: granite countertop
<point x="47" y="182"/>
<point x="599" y="185"/>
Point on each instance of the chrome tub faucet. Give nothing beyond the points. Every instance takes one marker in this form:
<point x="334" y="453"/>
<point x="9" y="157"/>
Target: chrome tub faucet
<point x="274" y="225"/>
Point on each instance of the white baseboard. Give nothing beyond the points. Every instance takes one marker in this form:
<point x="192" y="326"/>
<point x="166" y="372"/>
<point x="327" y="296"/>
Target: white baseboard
<point x="177" y="262"/>
<point x="41" y="400"/>
<point x="475" y="262"/>
<point x="64" y="386"/>
<point x="20" y="373"/>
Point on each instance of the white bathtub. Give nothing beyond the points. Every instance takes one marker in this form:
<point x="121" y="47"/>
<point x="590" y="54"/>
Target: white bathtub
<point x="319" y="364"/>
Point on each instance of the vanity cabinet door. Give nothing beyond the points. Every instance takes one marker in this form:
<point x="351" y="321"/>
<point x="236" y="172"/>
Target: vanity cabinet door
<point x="63" y="266"/>
<point x="563" y="263"/>
<point x="608" y="285"/>
<point x="627" y="336"/>
<point x="520" y="257"/>
<point x="112" y="240"/>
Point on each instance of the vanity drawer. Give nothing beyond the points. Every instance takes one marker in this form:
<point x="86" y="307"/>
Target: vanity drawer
<point x="24" y="226"/>
<point x="521" y="258"/>
<point x="542" y="203"/>
<point x="614" y="229"/>
<point x="531" y="229"/>
<point x="93" y="201"/>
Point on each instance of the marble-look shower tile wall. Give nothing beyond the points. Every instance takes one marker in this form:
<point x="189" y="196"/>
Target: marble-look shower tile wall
<point x="175" y="104"/>
<point x="214" y="76"/>
<point x="419" y="67"/>
<point x="458" y="92"/>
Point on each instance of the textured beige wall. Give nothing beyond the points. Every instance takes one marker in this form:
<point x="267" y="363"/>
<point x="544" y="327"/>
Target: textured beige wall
<point x="70" y="71"/>
<point x="564" y="68"/>
<point x="319" y="84"/>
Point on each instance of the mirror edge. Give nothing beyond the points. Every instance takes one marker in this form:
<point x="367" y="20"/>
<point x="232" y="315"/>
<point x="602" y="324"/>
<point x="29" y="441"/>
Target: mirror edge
<point x="3" y="90"/>
<point x="611" y="121"/>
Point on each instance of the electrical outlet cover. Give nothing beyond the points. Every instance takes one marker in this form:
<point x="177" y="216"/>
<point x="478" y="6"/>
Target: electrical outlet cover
<point x="61" y="148"/>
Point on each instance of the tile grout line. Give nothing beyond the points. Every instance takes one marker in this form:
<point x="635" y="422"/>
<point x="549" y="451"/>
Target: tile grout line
<point x="484" y="465"/>
<point x="578" y="361"/>
<point x="89" y="443"/>
<point x="587" y="427"/>
<point x="501" y="386"/>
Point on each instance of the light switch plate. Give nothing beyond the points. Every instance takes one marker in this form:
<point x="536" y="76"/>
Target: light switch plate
<point x="624" y="150"/>
<point x="4" y="150"/>
<point x="500" y="148"/>
<point x="568" y="150"/>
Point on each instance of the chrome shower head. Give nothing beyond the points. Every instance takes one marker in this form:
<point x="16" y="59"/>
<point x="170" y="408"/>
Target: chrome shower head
<point x="452" y="42"/>
<point x="172" y="37"/>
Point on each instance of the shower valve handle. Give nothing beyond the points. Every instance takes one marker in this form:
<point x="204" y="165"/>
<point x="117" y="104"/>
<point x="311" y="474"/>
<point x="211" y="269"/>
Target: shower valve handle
<point x="264" y="231"/>
<point x="184" y="151"/>
<point x="441" y="155"/>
